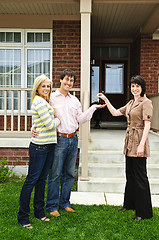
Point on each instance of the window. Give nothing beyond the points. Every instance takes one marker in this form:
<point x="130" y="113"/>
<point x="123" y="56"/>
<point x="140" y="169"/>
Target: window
<point x="24" y="55"/>
<point x="10" y="37"/>
<point x="95" y="83"/>
<point x="114" y="78"/>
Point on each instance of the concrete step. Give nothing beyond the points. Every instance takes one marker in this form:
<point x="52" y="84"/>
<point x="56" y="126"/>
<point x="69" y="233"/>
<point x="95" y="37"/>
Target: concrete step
<point x="116" y="185"/>
<point x="114" y="140"/>
<point x="105" y="156"/>
<point x="106" y="163"/>
<point x="154" y="157"/>
<point x="99" y="170"/>
<point x="116" y="145"/>
<point x="106" y="145"/>
<point x="117" y="156"/>
<point x="111" y="185"/>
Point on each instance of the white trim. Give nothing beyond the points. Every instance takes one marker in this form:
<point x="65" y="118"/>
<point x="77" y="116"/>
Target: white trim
<point x="23" y="47"/>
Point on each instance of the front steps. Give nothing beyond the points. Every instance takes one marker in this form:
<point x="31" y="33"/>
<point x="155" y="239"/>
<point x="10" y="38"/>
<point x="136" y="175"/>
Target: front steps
<point x="106" y="163"/>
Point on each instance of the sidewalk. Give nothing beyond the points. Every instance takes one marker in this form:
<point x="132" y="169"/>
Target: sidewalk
<point x="97" y="198"/>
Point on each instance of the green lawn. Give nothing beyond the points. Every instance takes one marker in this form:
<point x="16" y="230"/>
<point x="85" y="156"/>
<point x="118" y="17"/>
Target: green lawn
<point x="88" y="223"/>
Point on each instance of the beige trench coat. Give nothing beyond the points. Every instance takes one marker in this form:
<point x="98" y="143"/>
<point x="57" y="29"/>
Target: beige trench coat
<point x="136" y="112"/>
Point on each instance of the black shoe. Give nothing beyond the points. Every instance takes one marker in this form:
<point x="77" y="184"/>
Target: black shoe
<point x="137" y="218"/>
<point x="122" y="210"/>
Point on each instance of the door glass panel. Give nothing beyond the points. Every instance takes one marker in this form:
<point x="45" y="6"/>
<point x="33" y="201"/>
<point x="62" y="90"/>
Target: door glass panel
<point x="114" y="78"/>
<point x="114" y="52"/>
<point x="95" y="83"/>
<point x="105" y="52"/>
<point x="123" y="52"/>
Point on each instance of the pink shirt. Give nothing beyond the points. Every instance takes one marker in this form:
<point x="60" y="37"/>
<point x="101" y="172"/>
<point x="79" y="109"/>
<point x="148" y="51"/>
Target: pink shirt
<point x="69" y="110"/>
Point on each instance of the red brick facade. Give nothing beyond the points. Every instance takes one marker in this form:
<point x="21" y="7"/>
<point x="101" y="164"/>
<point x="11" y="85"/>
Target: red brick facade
<point x="66" y="49"/>
<point x="149" y="63"/>
<point x="12" y="155"/>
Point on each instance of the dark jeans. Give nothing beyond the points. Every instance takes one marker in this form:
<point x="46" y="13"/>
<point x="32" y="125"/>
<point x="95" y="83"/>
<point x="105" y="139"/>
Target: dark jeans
<point x="137" y="191"/>
<point x="40" y="160"/>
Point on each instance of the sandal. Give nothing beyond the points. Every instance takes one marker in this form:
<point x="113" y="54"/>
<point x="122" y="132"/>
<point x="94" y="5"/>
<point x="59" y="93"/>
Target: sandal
<point x="29" y="226"/>
<point x="45" y="219"/>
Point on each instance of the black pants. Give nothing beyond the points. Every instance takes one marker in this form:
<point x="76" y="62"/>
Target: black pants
<point x="137" y="191"/>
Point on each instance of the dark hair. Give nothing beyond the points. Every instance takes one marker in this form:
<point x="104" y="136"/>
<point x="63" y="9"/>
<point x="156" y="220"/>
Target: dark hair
<point x="69" y="73"/>
<point x="140" y="81"/>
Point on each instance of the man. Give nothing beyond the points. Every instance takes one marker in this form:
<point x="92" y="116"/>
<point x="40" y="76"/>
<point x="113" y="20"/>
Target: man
<point x="68" y="109"/>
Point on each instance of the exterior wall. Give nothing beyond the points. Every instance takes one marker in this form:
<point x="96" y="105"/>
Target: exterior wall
<point x="149" y="63"/>
<point x="66" y="54"/>
<point x="12" y="155"/>
<point x="19" y="159"/>
<point x="66" y="49"/>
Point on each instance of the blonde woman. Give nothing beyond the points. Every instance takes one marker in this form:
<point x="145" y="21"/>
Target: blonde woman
<point x="41" y="151"/>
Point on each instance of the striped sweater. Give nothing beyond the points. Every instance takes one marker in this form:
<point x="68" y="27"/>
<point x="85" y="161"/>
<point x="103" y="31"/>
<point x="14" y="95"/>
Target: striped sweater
<point x="43" y="118"/>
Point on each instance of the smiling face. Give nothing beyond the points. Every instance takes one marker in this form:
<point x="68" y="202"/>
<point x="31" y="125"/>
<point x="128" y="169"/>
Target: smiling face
<point x="136" y="90"/>
<point x="44" y="89"/>
<point x="66" y="84"/>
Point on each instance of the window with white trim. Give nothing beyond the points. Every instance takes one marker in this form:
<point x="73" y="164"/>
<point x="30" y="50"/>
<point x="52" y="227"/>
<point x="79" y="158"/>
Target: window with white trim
<point x="24" y="55"/>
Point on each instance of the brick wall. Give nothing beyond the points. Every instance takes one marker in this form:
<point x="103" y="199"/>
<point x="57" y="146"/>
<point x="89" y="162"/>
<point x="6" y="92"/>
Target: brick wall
<point x="66" y="49"/>
<point x="12" y="155"/>
<point x="20" y="157"/>
<point x="149" y="63"/>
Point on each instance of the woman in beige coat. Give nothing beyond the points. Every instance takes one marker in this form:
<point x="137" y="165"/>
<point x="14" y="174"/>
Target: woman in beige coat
<point x="138" y="112"/>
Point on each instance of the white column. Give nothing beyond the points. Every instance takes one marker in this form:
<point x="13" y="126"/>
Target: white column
<point x="85" y="9"/>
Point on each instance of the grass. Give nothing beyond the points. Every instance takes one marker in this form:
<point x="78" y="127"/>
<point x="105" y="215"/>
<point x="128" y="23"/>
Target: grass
<point x="102" y="222"/>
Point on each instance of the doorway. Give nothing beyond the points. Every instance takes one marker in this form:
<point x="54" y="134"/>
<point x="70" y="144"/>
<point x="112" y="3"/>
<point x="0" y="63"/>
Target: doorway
<point x="110" y="72"/>
<point x="114" y="85"/>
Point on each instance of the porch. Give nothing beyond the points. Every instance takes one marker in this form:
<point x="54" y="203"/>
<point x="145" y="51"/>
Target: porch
<point x="101" y="167"/>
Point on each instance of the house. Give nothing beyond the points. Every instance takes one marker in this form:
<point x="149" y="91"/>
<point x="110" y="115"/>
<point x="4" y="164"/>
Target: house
<point x="98" y="39"/>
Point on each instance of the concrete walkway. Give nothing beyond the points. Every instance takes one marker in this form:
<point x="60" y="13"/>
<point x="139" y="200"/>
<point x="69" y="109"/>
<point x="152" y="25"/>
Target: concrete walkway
<point x="96" y="198"/>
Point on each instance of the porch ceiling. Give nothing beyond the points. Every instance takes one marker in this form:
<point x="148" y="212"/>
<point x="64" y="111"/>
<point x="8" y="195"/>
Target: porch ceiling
<point x="120" y="19"/>
<point x="35" y="7"/>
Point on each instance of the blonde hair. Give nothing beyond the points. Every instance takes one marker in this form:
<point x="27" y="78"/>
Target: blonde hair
<point x="37" y="82"/>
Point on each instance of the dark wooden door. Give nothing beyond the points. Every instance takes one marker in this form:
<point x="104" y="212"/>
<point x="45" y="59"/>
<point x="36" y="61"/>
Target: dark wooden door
<point x="114" y="85"/>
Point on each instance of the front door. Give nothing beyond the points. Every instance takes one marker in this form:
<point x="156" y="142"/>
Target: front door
<point x="113" y="84"/>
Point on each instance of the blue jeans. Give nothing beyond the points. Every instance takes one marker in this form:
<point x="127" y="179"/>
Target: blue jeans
<point x="64" y="162"/>
<point x="40" y="160"/>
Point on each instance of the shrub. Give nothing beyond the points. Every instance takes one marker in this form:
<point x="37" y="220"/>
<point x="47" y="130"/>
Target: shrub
<point x="5" y="171"/>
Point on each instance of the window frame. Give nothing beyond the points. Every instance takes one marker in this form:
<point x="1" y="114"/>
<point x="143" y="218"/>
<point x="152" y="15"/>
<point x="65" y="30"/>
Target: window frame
<point x="24" y="46"/>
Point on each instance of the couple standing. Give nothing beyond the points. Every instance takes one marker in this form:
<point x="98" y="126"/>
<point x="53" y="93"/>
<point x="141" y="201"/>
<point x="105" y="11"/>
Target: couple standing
<point x="44" y="154"/>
